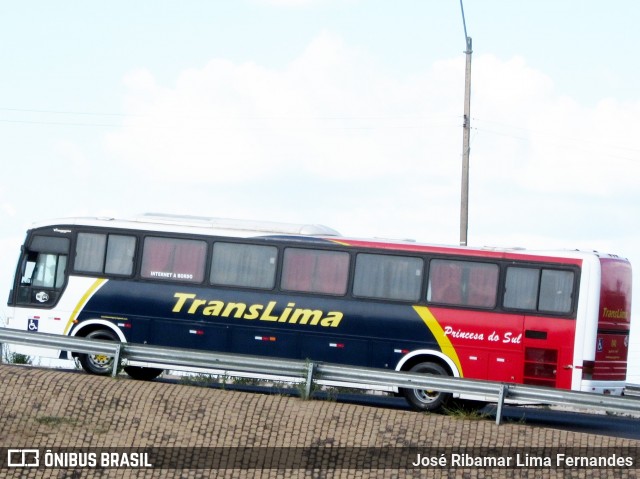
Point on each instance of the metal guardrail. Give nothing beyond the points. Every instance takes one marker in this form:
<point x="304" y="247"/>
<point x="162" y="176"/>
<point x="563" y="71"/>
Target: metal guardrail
<point x="307" y="372"/>
<point x="632" y="390"/>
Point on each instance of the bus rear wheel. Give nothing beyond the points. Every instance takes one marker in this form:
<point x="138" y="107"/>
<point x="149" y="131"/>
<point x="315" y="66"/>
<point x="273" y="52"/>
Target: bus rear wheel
<point x="424" y="399"/>
<point x="100" y="364"/>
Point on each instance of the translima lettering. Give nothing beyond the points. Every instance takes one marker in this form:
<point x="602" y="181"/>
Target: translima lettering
<point x="615" y="314"/>
<point x="190" y="304"/>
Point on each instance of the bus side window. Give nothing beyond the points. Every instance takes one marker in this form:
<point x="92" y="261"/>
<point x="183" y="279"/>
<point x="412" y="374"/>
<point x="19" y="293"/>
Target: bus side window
<point x="556" y="291"/>
<point x="463" y="283"/>
<point x="521" y="288"/>
<point x="49" y="271"/>
<point x="120" y="255"/>
<point x="90" y="249"/>
<point x="388" y="277"/>
<point x="28" y="268"/>
<point x="91" y="257"/>
<point x="174" y="259"/>
<point x="536" y="289"/>
<point x="315" y="271"/>
<point x="237" y="264"/>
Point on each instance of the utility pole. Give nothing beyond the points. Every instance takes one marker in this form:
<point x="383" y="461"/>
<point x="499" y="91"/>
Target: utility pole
<point x="466" y="131"/>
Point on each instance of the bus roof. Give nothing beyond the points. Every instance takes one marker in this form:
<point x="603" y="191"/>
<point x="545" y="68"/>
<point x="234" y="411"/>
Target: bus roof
<point x="248" y="228"/>
<point x="196" y="224"/>
<point x="574" y="255"/>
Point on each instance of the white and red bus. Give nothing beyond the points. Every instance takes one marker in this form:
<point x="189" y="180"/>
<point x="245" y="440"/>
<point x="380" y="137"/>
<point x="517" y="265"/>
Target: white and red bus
<point x="554" y="318"/>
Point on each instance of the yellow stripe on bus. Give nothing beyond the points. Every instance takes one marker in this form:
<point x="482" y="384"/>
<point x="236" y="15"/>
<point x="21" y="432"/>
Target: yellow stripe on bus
<point x="443" y="341"/>
<point x="85" y="297"/>
<point x="342" y="243"/>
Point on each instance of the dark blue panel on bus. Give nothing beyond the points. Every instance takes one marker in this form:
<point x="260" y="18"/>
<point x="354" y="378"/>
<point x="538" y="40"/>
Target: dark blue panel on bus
<point x="189" y="335"/>
<point x="318" y="327"/>
<point x="334" y="349"/>
<point x="264" y="342"/>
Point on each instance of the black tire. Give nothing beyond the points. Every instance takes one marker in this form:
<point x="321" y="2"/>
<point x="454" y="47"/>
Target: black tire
<point x="100" y="364"/>
<point x="143" y="374"/>
<point x="426" y="400"/>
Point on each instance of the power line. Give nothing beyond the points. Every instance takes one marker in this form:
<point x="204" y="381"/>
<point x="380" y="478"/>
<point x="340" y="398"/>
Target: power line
<point x="558" y="144"/>
<point x="442" y="121"/>
<point x="177" y="121"/>
<point x="547" y="133"/>
<point x="237" y="117"/>
<point x="60" y="112"/>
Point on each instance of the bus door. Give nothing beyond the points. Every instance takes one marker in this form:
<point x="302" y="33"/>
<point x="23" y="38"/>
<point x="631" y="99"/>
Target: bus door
<point x="39" y="282"/>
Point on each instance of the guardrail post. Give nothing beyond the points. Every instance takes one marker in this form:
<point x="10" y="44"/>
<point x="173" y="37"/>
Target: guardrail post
<point x="116" y="362"/>
<point x="501" y="394"/>
<point x="307" y="387"/>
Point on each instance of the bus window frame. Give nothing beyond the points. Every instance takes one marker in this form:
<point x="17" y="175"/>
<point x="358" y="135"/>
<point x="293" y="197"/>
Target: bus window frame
<point x="575" y="296"/>
<point x="288" y="249"/>
<point x="208" y="244"/>
<point x="108" y="233"/>
<point x="226" y="240"/>
<point x="501" y="275"/>
<point x="401" y="254"/>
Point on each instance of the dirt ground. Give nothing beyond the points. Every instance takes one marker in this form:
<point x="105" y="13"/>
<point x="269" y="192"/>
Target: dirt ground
<point x="190" y="431"/>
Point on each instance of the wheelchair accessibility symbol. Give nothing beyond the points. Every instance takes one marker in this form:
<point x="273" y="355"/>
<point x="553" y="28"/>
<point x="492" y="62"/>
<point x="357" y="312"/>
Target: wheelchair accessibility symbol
<point x="33" y="324"/>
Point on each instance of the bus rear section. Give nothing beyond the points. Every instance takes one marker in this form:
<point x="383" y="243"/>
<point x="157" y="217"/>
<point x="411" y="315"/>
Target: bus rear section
<point x="604" y="367"/>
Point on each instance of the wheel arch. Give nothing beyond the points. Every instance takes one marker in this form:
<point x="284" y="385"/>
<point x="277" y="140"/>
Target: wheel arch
<point x="86" y="327"/>
<point x="428" y="355"/>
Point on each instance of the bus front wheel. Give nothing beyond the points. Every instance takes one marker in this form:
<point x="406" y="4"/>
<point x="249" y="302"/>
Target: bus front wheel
<point x="425" y="399"/>
<point x="100" y="364"/>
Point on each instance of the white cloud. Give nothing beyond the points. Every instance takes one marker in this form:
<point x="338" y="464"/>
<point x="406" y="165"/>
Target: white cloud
<point x="9" y="209"/>
<point x="73" y="158"/>
<point x="334" y="132"/>
<point x="545" y="142"/>
<point x="332" y="113"/>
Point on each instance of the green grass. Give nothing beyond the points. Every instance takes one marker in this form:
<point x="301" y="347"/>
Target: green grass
<point x="17" y="358"/>
<point x="55" y="421"/>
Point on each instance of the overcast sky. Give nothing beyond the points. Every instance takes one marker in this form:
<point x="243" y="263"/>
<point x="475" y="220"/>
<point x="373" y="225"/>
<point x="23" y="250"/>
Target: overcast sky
<point x="341" y="112"/>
